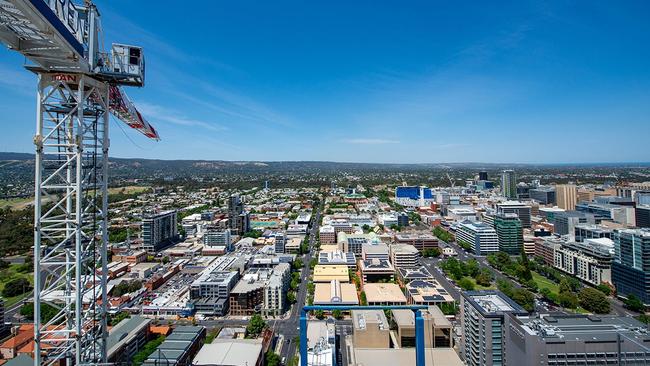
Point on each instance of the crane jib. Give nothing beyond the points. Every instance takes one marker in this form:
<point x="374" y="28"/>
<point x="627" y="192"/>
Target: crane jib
<point x="63" y="26"/>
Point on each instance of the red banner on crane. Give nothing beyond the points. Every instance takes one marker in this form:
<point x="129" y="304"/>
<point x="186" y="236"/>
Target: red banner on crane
<point x="122" y="107"/>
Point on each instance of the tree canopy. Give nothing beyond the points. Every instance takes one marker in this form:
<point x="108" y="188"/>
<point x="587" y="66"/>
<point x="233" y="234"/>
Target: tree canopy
<point x="594" y="300"/>
<point x="255" y="326"/>
<point x="17" y="286"/>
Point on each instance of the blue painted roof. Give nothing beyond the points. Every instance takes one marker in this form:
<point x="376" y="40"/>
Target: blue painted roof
<point x="412" y="192"/>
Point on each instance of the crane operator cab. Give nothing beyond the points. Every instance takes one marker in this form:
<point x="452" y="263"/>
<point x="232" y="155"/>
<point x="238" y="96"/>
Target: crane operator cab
<point x="127" y="64"/>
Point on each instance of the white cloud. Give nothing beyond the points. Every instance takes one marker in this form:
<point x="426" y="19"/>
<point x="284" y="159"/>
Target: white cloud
<point x="362" y="141"/>
<point x="174" y="61"/>
<point x="155" y="112"/>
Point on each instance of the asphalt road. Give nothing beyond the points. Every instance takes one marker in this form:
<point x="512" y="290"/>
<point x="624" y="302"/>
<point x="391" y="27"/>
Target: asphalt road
<point x="289" y="328"/>
<point x="432" y="265"/>
<point x="343" y="329"/>
<point x="13" y="312"/>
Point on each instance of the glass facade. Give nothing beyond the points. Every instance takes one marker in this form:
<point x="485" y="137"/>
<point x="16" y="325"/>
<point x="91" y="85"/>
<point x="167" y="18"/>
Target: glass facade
<point x="631" y="267"/>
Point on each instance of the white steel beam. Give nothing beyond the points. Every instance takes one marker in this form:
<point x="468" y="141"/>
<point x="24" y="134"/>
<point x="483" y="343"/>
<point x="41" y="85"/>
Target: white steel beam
<point x="70" y="228"/>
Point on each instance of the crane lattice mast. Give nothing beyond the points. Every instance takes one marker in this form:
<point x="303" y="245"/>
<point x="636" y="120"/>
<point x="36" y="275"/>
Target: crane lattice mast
<point x="79" y="85"/>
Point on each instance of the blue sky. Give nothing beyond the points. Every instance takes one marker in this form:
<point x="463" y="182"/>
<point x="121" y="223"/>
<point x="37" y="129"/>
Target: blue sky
<point x="371" y="81"/>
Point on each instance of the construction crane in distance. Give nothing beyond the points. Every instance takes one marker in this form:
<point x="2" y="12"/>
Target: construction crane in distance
<point x="79" y="85"/>
<point x="452" y="182"/>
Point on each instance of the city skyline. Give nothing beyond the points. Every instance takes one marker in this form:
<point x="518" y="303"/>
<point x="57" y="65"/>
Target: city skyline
<point x="295" y="82"/>
<point x="336" y="184"/>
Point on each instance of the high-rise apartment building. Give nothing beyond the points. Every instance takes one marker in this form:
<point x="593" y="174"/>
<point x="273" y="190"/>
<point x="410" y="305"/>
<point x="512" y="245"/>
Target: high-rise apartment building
<point x="238" y="220"/>
<point x="509" y="184"/>
<point x="483" y="331"/>
<point x="566" y="196"/>
<point x="631" y="267"/>
<point x="510" y="233"/>
<point x="585" y="261"/>
<point x="159" y="230"/>
<point x="481" y="237"/>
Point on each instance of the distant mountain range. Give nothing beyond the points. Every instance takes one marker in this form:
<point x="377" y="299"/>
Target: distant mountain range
<point x="17" y="172"/>
<point x="312" y="165"/>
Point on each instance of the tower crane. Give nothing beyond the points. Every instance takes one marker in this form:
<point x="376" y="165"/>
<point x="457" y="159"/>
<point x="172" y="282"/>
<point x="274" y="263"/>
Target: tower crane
<point x="79" y="85"/>
<point x="451" y="181"/>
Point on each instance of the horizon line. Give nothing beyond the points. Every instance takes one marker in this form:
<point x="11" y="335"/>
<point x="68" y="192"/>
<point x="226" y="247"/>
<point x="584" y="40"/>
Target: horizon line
<point x="373" y="163"/>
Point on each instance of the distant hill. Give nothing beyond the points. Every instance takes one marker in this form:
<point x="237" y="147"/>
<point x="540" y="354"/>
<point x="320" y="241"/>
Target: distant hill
<point x="16" y="156"/>
<point x="310" y="165"/>
<point x="18" y="169"/>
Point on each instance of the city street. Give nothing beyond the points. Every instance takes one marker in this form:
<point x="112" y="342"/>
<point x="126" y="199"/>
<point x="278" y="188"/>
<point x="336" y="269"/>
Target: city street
<point x="289" y="328"/>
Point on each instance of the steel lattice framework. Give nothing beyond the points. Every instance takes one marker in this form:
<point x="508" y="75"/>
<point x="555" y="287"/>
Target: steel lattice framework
<point x="71" y="218"/>
<point x="80" y="84"/>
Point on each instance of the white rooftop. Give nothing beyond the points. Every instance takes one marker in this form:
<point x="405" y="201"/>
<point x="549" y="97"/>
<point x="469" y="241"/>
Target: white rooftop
<point x="229" y="352"/>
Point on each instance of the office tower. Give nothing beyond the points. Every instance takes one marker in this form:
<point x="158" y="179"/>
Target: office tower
<point x="158" y="230"/>
<point x="571" y="339"/>
<point x="238" y="220"/>
<point x="566" y="196"/>
<point x="642" y="216"/>
<point x="565" y="222"/>
<point x="509" y="184"/>
<point x="544" y="195"/>
<point x="522" y="210"/>
<point x="481" y="237"/>
<point x="482" y="322"/>
<point x="631" y="267"/>
<point x="214" y="237"/>
<point x="510" y="233"/>
<point x="482" y="176"/>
